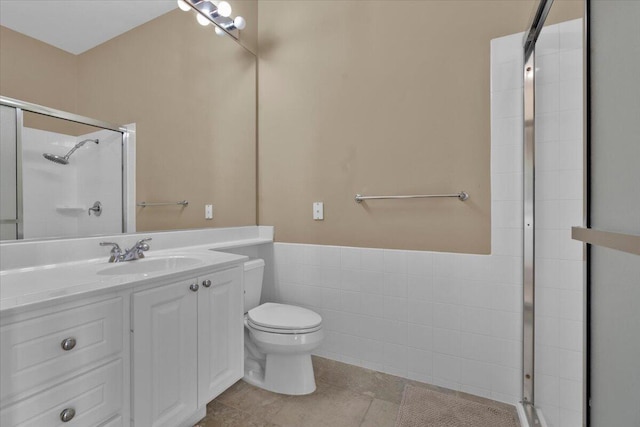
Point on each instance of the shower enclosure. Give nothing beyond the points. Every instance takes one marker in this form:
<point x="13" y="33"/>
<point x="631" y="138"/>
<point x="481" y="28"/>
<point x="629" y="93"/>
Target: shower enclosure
<point x="62" y="174"/>
<point x="580" y="344"/>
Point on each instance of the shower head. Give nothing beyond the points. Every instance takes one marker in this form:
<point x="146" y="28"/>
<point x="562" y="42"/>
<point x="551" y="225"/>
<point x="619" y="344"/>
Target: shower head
<point x="56" y="159"/>
<point x="64" y="160"/>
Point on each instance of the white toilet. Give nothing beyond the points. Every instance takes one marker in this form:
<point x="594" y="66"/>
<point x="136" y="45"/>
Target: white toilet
<point x="278" y="339"/>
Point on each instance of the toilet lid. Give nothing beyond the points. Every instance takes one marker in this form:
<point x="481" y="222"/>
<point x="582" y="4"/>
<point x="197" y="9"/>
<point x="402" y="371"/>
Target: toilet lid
<point x="282" y="316"/>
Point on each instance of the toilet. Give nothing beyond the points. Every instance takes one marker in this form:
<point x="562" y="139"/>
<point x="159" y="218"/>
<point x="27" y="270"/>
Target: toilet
<point x="279" y="339"/>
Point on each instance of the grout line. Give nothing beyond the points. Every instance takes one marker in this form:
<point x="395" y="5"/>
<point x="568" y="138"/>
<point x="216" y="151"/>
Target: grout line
<point x="364" y="416"/>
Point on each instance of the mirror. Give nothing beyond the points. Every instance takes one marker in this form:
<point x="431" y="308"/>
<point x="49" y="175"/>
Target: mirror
<point x="190" y="94"/>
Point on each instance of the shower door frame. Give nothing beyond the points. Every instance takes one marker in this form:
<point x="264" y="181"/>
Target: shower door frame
<point x="528" y="271"/>
<point x="127" y="142"/>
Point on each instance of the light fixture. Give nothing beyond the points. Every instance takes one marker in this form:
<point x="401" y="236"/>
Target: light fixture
<point x="240" y="23"/>
<point x="224" y="9"/>
<point x="202" y="20"/>
<point x="216" y="12"/>
<point x="183" y="5"/>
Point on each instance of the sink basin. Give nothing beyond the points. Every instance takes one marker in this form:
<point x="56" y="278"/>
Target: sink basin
<point x="150" y="265"/>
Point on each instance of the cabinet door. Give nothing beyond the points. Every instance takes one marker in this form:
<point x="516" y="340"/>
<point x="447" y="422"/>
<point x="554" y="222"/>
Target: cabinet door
<point x="220" y="333"/>
<point x="164" y="355"/>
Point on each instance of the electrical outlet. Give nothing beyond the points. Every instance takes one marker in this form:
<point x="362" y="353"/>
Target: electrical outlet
<point x="208" y="211"/>
<point x="318" y="211"/>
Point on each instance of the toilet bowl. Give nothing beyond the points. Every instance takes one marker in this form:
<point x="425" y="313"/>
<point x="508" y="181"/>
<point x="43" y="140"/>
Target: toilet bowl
<point x="279" y="340"/>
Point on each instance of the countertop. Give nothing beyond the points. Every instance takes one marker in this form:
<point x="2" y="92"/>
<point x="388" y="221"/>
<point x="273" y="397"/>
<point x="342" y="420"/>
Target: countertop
<point x="39" y="286"/>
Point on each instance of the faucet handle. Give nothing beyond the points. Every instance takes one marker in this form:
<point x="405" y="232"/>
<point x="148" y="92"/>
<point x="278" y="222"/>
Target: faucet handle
<point x="116" y="252"/>
<point x="115" y="247"/>
<point x="141" y="245"/>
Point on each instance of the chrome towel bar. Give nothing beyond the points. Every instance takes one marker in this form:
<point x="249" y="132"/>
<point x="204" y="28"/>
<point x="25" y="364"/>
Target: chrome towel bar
<point x="145" y="204"/>
<point x="462" y="196"/>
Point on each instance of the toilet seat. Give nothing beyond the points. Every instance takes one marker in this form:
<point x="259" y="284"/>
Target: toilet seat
<point x="283" y="319"/>
<point x="252" y="325"/>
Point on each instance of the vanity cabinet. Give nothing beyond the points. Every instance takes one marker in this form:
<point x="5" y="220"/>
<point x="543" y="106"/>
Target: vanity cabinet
<point x="187" y="346"/>
<point x="62" y="363"/>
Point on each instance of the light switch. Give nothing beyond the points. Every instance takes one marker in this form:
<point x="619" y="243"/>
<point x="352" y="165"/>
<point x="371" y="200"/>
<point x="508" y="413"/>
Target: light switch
<point x="208" y="211"/>
<point x="318" y="211"/>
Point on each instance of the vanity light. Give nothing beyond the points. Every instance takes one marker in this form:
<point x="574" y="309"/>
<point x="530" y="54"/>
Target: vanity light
<point x="183" y="5"/>
<point x="224" y="9"/>
<point x="238" y="24"/>
<point x="216" y="12"/>
<point x="202" y="20"/>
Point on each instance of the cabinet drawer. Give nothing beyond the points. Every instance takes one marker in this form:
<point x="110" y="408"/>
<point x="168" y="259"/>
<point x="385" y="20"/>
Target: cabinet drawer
<point x="94" y="396"/>
<point x="32" y="354"/>
<point x="113" y="422"/>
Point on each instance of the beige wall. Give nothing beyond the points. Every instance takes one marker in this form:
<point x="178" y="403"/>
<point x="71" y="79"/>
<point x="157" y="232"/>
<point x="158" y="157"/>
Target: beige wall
<point x="379" y="97"/>
<point x="192" y="95"/>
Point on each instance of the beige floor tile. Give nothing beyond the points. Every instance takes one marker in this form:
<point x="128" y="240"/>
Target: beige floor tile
<point x="381" y="414"/>
<point x="360" y="380"/>
<point x="219" y="415"/>
<point x="329" y="406"/>
<point x="254" y="400"/>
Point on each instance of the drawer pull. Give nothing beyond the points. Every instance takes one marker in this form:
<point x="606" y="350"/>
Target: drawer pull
<point x="206" y="283"/>
<point x="68" y="344"/>
<point x="67" y="415"/>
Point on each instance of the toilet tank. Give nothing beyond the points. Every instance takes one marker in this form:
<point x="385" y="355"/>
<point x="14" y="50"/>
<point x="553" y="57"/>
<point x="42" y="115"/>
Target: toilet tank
<point x="253" y="272"/>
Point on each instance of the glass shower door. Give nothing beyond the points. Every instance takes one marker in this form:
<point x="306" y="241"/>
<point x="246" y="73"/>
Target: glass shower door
<point x="10" y="218"/>
<point x="613" y="232"/>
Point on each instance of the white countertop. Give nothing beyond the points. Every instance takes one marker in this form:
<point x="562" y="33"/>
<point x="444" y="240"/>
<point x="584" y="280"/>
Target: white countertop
<point x="37" y="286"/>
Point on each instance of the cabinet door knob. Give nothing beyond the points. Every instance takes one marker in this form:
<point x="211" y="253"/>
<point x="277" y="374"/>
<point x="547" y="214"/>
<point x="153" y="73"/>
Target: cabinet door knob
<point x="68" y="344"/>
<point x="206" y="283"/>
<point x="194" y="287"/>
<point x="67" y="415"/>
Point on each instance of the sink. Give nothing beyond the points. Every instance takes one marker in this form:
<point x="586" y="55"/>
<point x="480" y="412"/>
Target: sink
<point x="151" y="265"/>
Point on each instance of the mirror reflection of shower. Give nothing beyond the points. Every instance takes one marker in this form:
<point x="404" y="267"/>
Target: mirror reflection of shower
<point x="64" y="160"/>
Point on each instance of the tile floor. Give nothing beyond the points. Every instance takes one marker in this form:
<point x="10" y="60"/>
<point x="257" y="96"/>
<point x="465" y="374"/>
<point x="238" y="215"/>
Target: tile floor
<point x="346" y="396"/>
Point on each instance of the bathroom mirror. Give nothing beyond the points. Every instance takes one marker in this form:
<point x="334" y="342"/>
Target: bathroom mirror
<point x="190" y="94"/>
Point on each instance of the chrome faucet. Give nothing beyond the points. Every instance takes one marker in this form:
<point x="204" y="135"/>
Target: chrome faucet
<point x="132" y="254"/>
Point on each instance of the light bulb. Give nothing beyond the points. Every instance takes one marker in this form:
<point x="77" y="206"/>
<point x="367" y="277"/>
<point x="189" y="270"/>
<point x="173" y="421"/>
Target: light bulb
<point x="183" y="5"/>
<point x="219" y="31"/>
<point x="240" y="23"/>
<point x="224" y="9"/>
<point x="202" y="20"/>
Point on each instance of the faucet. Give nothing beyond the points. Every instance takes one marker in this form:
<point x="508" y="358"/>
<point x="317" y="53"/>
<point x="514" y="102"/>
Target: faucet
<point x="132" y="254"/>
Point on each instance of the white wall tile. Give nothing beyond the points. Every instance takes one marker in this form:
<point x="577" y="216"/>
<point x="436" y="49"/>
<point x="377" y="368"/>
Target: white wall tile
<point x="395" y="261"/>
<point x="372" y="259"/>
<point x="446" y="367"/>
<point x="420" y="287"/>
<point x="350" y="280"/>
<point x="395" y="285"/>
<point x="419" y="263"/>
<point x="420" y="337"/>
<point x="420" y="361"/>
<point x="420" y="312"/>
<point x="476" y="374"/>
<point x="350" y="258"/>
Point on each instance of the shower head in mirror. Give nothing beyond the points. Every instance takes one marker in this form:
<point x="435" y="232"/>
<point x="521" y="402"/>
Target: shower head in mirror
<point x="64" y="160"/>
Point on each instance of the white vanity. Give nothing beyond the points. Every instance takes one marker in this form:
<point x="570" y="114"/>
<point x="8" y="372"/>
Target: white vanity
<point x="145" y="343"/>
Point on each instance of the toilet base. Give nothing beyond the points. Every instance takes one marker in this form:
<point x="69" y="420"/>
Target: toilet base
<point x="290" y="374"/>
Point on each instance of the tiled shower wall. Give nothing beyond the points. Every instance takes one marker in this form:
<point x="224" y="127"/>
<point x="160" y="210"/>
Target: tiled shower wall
<point x="443" y="318"/>
<point x="559" y="205"/>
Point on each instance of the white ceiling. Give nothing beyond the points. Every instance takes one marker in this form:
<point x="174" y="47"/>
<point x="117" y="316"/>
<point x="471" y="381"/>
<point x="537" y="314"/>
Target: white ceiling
<point x="79" y="25"/>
